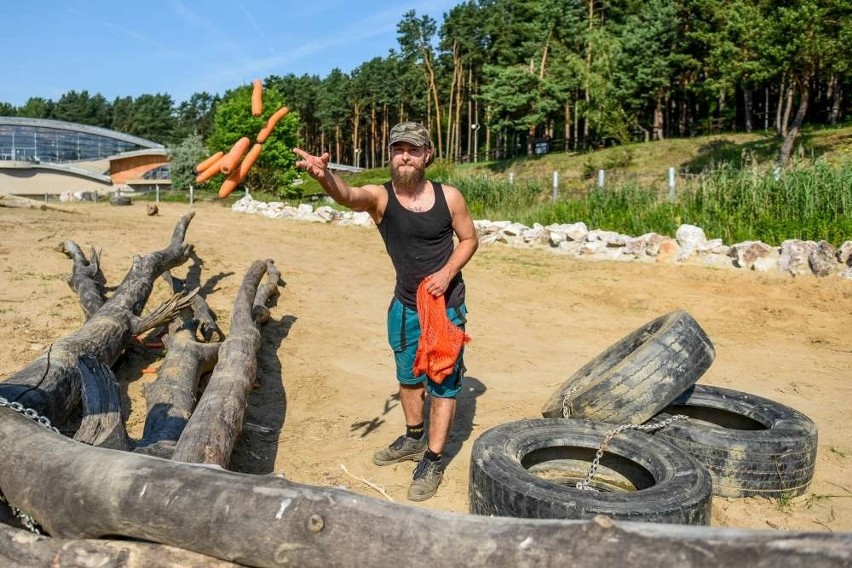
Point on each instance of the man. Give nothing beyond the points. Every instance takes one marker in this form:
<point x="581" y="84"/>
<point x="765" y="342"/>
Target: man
<point x="417" y="219"/>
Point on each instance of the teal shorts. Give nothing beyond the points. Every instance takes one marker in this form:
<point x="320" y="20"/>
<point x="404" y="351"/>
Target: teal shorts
<point x="403" y="335"/>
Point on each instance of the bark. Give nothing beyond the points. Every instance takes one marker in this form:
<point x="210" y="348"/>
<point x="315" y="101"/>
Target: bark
<point x="171" y="397"/>
<point x="788" y="108"/>
<point x="13" y="201"/>
<point x="798" y="120"/>
<point x="25" y="549"/>
<point x="212" y="429"/>
<point x="86" y="278"/>
<point x="78" y="491"/>
<point x="102" y="424"/>
<point x="51" y="383"/>
<point x="748" y="106"/>
<point x="836" y="95"/>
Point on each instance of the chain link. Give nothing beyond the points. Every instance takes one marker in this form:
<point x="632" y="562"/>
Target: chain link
<point x="585" y="484"/>
<point x="566" y="409"/>
<point x="26" y="519"/>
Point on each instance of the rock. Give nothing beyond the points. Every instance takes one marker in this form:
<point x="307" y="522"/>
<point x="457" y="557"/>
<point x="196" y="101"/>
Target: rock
<point x="747" y="253"/>
<point x="844" y="253"/>
<point x="689" y="237"/>
<point x="668" y="250"/>
<point x="577" y="231"/>
<point x="794" y="256"/>
<point x="822" y="259"/>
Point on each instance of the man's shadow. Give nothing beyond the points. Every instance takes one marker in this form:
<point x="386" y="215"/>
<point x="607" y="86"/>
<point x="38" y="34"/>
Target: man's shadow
<point x="472" y="388"/>
<point x="463" y="422"/>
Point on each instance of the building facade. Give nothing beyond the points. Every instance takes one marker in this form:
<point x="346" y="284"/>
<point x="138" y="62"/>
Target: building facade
<point x="49" y="157"/>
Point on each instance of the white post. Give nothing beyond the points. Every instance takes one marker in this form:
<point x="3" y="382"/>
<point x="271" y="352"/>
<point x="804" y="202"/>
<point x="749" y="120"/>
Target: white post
<point x="191" y="195"/>
<point x="511" y="178"/>
<point x="247" y="191"/>
<point x="601" y="178"/>
<point x="672" y="184"/>
<point x="158" y="192"/>
<point x="555" y="194"/>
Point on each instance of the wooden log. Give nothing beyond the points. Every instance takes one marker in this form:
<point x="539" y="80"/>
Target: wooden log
<point x="25" y="549"/>
<point x="79" y="491"/>
<point x="171" y="397"/>
<point x="86" y="278"/>
<point x="51" y="383"/>
<point x="212" y="429"/>
<point x="13" y="201"/>
<point x="103" y="423"/>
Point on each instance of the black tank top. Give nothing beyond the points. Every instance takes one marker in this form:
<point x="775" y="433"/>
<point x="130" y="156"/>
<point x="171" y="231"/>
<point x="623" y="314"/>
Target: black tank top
<point x="419" y="243"/>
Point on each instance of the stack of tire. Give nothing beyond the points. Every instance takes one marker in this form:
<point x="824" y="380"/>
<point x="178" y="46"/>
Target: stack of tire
<point x="730" y="444"/>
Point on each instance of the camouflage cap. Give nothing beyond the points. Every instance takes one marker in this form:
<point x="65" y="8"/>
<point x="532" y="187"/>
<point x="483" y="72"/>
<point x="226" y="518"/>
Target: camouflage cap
<point x="412" y="132"/>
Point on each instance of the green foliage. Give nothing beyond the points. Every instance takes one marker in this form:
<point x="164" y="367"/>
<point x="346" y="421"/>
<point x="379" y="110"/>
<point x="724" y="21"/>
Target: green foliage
<point x="275" y="170"/>
<point x="183" y="159"/>
<point x="36" y="107"/>
<point x="152" y="118"/>
<point x="812" y="202"/>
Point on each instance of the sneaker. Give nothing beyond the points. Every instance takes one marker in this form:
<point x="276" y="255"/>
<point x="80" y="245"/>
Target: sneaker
<point x="402" y="449"/>
<point x="427" y="477"/>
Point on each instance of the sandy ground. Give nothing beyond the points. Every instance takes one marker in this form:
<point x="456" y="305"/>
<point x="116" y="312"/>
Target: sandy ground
<point x="326" y="394"/>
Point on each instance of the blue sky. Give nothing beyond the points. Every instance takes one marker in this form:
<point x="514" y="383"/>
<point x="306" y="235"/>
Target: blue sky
<point x="180" y="47"/>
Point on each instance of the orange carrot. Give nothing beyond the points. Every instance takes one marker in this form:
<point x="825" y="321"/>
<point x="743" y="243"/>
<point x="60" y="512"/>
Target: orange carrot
<point x="238" y="175"/>
<point x="230" y="184"/>
<point x="270" y="124"/>
<point x="230" y="160"/>
<point x="211" y="170"/>
<point x="208" y="162"/>
<point x="257" y="98"/>
<point x="249" y="160"/>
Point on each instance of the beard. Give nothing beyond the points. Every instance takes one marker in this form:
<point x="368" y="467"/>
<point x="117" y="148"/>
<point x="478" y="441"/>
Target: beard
<point x="409" y="179"/>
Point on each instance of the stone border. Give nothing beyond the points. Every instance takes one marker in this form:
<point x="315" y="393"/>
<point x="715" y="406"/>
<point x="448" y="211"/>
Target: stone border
<point x="690" y="245"/>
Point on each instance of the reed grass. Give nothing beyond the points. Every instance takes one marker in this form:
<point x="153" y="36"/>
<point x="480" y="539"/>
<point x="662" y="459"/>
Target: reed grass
<point x="809" y="202"/>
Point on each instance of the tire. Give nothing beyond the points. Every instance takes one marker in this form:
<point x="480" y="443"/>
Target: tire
<point x="529" y="469"/>
<point x="752" y="446"/>
<point x="120" y="200"/>
<point x="638" y="376"/>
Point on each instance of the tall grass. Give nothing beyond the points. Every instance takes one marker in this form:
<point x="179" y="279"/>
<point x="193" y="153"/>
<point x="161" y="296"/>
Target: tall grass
<point x="810" y="203"/>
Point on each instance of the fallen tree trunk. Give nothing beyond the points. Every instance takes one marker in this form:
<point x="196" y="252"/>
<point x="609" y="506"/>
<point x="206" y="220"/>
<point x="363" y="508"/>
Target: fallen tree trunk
<point x="7" y="200"/>
<point x="212" y="429"/>
<point x="79" y="491"/>
<point x="50" y="384"/>
<point x="171" y="397"/>
<point x="25" y="549"/>
<point x="86" y="278"/>
<point x="103" y="423"/>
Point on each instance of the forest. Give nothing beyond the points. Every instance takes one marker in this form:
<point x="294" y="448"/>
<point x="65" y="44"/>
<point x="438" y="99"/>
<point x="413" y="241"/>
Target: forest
<point x="505" y="78"/>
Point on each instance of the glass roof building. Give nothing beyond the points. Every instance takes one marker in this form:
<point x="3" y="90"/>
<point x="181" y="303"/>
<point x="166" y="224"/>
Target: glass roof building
<point x="54" y="141"/>
<point x="35" y="153"/>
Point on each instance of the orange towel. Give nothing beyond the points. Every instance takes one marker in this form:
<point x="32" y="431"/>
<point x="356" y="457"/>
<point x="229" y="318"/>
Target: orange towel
<point x="440" y="340"/>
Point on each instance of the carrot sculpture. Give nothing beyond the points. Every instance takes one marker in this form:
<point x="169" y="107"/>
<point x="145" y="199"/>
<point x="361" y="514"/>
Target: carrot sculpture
<point x="208" y="162"/>
<point x="230" y="184"/>
<point x="257" y="98"/>
<point x="230" y="160"/>
<point x="270" y="124"/>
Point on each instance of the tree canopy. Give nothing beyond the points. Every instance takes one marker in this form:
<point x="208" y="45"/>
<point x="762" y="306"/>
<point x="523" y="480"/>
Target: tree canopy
<point x="495" y="75"/>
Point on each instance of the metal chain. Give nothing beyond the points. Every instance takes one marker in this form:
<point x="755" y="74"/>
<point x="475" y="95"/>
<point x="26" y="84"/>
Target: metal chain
<point x="584" y="485"/>
<point x="566" y="410"/>
<point x="26" y="519"/>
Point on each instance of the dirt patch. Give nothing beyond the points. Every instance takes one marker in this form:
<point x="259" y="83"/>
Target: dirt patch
<point x="326" y="396"/>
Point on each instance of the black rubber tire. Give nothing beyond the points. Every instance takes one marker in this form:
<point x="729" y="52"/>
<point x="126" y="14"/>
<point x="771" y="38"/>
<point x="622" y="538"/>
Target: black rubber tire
<point x="752" y="446"/>
<point x="507" y="463"/>
<point x="120" y="200"/>
<point x="638" y="376"/>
